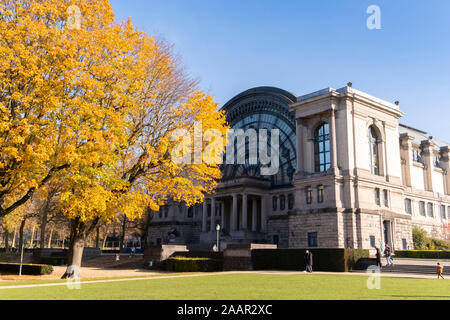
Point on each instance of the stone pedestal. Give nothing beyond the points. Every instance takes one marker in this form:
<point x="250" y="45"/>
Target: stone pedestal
<point x="158" y="253"/>
<point x="239" y="256"/>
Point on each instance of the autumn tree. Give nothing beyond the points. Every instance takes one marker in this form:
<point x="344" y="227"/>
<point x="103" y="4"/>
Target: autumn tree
<point x="93" y="105"/>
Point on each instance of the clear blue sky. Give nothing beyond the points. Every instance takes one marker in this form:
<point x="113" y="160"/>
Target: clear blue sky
<point x="304" y="46"/>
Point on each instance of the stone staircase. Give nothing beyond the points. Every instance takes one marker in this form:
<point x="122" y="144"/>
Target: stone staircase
<point x="410" y="266"/>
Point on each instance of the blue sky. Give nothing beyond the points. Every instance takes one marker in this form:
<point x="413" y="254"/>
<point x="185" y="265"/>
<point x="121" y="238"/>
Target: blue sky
<point x="304" y="46"/>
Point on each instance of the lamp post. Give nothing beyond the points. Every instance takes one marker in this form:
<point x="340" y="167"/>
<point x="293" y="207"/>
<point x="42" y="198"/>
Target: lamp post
<point x="218" y="240"/>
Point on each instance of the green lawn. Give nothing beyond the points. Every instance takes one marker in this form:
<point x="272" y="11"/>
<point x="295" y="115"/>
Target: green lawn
<point x="245" y="287"/>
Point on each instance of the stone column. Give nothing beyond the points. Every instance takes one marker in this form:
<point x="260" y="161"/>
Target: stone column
<point x="234" y="214"/>
<point x="406" y="156"/>
<point x="222" y="210"/>
<point x="244" y="211"/>
<point x="213" y="215"/>
<point x="445" y="164"/>
<point x="300" y="147"/>
<point x="263" y="214"/>
<point x="333" y="146"/>
<point x="427" y="156"/>
<point x="254" y="215"/>
<point x="205" y="214"/>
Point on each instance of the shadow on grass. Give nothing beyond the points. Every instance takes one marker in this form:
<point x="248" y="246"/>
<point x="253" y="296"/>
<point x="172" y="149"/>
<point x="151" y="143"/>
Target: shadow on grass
<point x="422" y="296"/>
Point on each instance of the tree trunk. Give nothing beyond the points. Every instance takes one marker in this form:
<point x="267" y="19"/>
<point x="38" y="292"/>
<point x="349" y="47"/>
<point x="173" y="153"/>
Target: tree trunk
<point x="32" y="237"/>
<point x="50" y="238"/>
<point x="97" y="238"/>
<point x="80" y="231"/>
<point x="22" y="227"/>
<point x="6" y="240"/>
<point x="124" y="229"/>
<point x="14" y="239"/>
<point x="43" y="227"/>
<point x="105" y="237"/>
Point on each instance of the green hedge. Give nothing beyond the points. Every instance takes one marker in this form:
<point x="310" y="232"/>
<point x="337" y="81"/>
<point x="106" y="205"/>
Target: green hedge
<point x="422" y="254"/>
<point x="27" y="269"/>
<point x="335" y="260"/>
<point x="54" y="261"/>
<point x="182" y="264"/>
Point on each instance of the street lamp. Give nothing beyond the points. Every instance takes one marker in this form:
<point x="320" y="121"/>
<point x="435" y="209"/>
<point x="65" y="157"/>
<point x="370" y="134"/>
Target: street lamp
<point x="218" y="240"/>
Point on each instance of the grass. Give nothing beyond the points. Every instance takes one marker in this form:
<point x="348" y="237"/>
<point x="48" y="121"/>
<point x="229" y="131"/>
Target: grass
<point x="243" y="287"/>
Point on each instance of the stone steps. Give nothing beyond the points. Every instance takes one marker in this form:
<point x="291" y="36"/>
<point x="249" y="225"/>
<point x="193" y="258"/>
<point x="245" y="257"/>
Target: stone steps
<point x="413" y="269"/>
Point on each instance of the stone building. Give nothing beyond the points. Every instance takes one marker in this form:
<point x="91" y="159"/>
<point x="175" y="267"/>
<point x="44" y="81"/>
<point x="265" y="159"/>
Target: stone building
<point x="350" y="175"/>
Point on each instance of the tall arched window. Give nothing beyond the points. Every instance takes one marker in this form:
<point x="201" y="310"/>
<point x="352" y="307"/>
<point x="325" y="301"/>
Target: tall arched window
<point x="322" y="148"/>
<point x="374" y="151"/>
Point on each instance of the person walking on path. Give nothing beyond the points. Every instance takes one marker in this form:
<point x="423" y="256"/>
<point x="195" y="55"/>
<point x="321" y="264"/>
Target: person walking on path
<point x="388" y="254"/>
<point x="440" y="270"/>
<point x="378" y="256"/>
<point x="308" y="261"/>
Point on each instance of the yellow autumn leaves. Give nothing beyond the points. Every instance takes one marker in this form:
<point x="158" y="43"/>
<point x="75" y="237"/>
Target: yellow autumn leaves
<point x="93" y="110"/>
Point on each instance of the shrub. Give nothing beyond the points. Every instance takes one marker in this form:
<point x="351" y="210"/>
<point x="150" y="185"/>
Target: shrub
<point x="422" y="254"/>
<point x="419" y="238"/>
<point x="182" y="264"/>
<point x="54" y="261"/>
<point x="28" y="269"/>
<point x="337" y="260"/>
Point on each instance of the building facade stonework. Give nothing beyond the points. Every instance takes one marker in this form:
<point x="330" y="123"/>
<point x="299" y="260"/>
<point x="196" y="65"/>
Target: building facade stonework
<point x="350" y="176"/>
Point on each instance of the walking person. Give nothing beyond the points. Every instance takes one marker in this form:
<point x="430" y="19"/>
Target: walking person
<point x="308" y="261"/>
<point x="378" y="256"/>
<point x="440" y="271"/>
<point x="388" y="254"/>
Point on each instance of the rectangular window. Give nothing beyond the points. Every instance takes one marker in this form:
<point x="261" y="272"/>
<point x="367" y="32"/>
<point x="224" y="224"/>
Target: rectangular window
<point x="385" y="198"/>
<point x="437" y="162"/>
<point x="372" y="241"/>
<point x="422" y="208"/>
<point x="405" y="244"/>
<point x="377" y="197"/>
<point x="416" y="156"/>
<point x="408" y="206"/>
<point x="443" y="216"/>
<point x="320" y="194"/>
<point x="312" y="239"/>
<point x="308" y="195"/>
<point x="430" y="210"/>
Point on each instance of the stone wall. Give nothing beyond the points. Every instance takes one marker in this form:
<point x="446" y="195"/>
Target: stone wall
<point x="278" y="226"/>
<point x="189" y="232"/>
<point x="239" y="256"/>
<point x="324" y="222"/>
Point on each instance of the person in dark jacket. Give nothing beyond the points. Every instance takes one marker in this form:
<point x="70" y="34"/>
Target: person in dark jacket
<point x="378" y="256"/>
<point x="308" y="261"/>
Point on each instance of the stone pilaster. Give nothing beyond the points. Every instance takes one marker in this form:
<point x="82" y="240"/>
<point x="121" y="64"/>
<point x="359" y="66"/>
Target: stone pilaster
<point x="204" y="214"/>
<point x="213" y="215"/>
<point x="406" y="157"/>
<point x="244" y="211"/>
<point x="300" y="147"/>
<point x="427" y="155"/>
<point x="445" y="164"/>
<point x="234" y="213"/>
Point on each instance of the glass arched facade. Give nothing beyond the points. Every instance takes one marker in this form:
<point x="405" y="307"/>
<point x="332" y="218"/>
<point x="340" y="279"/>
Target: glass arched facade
<point x="263" y="108"/>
